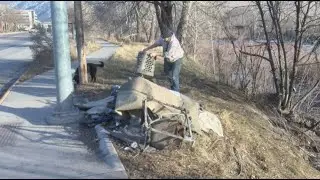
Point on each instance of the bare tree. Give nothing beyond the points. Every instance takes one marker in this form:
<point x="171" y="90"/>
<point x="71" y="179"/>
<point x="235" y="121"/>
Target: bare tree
<point x="283" y="67"/>
<point x="80" y="42"/>
<point x="9" y="17"/>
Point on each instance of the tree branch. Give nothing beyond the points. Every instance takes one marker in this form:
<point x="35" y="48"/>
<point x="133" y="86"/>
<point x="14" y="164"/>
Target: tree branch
<point x="306" y="95"/>
<point x="153" y="2"/>
<point x="306" y="64"/>
<point x="255" y="55"/>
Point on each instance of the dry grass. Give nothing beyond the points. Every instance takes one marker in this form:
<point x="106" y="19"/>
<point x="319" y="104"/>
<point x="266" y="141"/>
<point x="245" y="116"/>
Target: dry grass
<point x="251" y="147"/>
<point x="44" y="62"/>
<point x="91" y="46"/>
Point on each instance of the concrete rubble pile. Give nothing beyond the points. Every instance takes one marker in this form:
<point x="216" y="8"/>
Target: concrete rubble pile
<point x="145" y="116"/>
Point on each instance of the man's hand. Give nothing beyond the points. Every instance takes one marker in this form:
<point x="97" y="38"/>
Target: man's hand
<point x="155" y="55"/>
<point x="152" y="55"/>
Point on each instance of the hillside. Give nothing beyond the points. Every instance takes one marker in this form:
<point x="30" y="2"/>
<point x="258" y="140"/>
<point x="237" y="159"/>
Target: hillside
<point x="252" y="146"/>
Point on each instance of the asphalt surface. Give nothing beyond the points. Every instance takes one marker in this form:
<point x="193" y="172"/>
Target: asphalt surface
<point x="15" y="54"/>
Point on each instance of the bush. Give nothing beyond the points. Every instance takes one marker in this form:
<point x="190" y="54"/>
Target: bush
<point x="42" y="44"/>
<point x="42" y="48"/>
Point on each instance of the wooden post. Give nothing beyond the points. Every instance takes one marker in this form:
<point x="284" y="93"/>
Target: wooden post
<point x="80" y="42"/>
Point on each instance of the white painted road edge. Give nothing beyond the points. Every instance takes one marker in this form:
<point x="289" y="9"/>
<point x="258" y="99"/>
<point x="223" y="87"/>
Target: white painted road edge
<point x="13" y="33"/>
<point x="8" y="90"/>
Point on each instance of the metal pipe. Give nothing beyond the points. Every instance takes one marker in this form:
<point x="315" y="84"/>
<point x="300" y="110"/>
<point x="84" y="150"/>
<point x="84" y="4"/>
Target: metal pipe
<point x="61" y="54"/>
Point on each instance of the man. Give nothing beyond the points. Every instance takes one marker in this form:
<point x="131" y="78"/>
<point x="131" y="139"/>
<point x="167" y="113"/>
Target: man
<point x="173" y="54"/>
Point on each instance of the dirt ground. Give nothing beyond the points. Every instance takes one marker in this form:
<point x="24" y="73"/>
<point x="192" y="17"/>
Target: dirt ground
<point x="251" y="147"/>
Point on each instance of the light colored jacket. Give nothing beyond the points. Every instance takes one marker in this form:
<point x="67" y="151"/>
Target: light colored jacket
<point x="174" y="50"/>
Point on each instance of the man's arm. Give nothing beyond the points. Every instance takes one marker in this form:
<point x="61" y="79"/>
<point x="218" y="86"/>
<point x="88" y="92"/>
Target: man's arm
<point x="151" y="47"/>
<point x="154" y="45"/>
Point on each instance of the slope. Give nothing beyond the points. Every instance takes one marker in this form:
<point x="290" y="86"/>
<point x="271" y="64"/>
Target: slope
<point x="252" y="146"/>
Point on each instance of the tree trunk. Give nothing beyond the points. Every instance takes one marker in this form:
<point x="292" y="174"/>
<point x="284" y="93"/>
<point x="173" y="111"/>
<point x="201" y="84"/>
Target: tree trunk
<point x="152" y="30"/>
<point x="156" y="35"/>
<point x="158" y="15"/>
<point x="181" y="29"/>
<point x="212" y="52"/>
<point x="195" y="36"/>
<point x="138" y="24"/>
<point x="164" y="15"/>
<point x="80" y="42"/>
<point x="268" y="46"/>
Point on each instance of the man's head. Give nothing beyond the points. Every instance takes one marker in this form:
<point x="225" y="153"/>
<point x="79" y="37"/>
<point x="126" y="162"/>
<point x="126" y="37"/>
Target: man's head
<point x="166" y="34"/>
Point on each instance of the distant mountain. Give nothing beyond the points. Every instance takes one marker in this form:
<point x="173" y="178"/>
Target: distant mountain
<point x="41" y="8"/>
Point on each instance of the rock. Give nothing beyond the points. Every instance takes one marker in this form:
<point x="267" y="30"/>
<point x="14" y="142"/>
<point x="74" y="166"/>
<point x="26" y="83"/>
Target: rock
<point x="209" y="121"/>
<point x="127" y="149"/>
<point x="134" y="145"/>
<point x="150" y="149"/>
<point x="309" y="124"/>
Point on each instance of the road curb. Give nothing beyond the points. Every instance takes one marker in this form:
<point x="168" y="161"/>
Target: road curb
<point x="13" y="33"/>
<point x="109" y="153"/>
<point x="7" y="90"/>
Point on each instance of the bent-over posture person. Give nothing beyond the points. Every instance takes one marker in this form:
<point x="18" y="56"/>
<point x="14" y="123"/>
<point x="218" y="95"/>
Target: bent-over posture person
<point x="173" y="55"/>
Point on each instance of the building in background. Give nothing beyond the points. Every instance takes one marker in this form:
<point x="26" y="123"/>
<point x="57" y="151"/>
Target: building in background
<point x="26" y="18"/>
<point x="47" y="25"/>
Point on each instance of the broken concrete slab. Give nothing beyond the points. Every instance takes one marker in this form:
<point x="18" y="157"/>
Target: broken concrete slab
<point x="99" y="110"/>
<point x="160" y="100"/>
<point x="102" y="102"/>
<point x="209" y="121"/>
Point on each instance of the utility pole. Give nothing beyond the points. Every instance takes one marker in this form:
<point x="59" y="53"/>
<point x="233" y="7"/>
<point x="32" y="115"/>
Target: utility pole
<point x="80" y="42"/>
<point x="64" y="111"/>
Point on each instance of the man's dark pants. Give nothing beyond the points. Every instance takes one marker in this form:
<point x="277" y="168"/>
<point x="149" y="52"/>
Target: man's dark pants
<point x="172" y="70"/>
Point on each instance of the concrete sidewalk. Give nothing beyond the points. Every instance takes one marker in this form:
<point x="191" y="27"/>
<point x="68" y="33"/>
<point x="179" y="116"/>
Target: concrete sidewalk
<point x="29" y="148"/>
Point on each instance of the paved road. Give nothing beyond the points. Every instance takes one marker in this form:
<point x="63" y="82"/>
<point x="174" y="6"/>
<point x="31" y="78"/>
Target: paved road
<point x="14" y="55"/>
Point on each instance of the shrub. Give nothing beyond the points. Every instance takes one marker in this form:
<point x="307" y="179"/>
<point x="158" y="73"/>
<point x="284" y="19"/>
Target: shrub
<point x="42" y="44"/>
